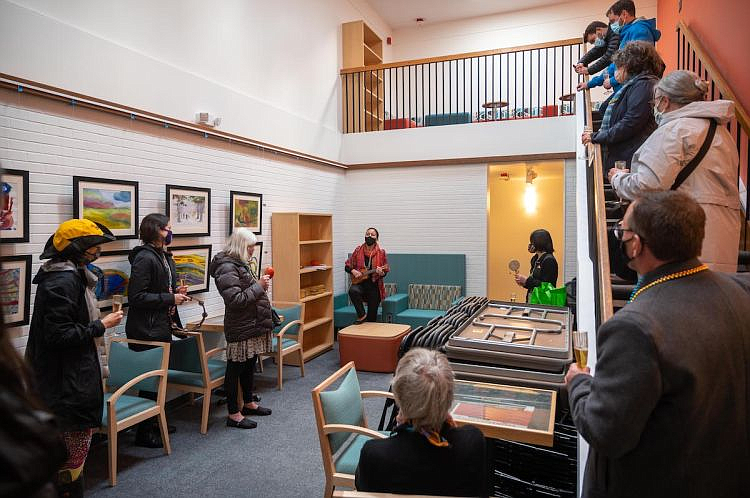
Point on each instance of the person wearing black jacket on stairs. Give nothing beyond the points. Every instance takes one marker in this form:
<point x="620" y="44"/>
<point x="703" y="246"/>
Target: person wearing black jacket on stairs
<point x="153" y="296"/>
<point x="543" y="263"/>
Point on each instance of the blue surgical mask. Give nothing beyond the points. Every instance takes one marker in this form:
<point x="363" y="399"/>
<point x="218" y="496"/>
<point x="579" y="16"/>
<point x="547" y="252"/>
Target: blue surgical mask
<point x="599" y="42"/>
<point x="615" y="27"/>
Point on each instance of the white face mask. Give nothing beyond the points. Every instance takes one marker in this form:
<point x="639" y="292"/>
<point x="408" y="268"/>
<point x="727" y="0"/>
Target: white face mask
<point x="599" y="42"/>
<point x="658" y="115"/>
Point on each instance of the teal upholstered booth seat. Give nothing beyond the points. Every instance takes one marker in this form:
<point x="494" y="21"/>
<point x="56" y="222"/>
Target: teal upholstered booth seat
<point x="447" y="119"/>
<point x="412" y="269"/>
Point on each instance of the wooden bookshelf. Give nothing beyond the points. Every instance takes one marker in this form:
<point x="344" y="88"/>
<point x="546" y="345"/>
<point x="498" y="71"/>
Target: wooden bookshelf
<point x="363" y="92"/>
<point x="301" y="240"/>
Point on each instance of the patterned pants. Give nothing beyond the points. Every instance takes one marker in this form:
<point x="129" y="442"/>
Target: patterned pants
<point x="77" y="443"/>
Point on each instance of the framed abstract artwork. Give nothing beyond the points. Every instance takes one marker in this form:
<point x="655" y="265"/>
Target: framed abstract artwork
<point x="245" y="211"/>
<point x="191" y="265"/>
<point x="15" y="289"/>
<point x="256" y="258"/>
<point x="113" y="270"/>
<point x="113" y="203"/>
<point x="14" y="206"/>
<point x="189" y="210"/>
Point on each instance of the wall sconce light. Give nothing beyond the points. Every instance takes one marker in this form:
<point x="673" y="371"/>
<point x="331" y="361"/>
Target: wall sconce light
<point x="530" y="199"/>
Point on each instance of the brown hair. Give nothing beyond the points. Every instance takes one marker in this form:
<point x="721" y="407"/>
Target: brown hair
<point x="639" y="57"/>
<point x="670" y="223"/>
<point x="591" y="29"/>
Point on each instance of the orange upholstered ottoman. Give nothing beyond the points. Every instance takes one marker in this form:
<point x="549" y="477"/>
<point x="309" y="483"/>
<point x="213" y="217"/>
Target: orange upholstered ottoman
<point x="372" y="346"/>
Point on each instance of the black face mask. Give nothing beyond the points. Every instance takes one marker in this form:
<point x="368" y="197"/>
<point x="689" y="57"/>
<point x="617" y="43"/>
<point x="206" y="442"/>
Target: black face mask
<point x="624" y="253"/>
<point x="370" y="241"/>
<point x="532" y="248"/>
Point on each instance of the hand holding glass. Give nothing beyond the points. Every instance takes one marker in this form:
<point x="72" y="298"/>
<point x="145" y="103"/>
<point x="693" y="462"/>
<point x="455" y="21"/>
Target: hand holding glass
<point x="581" y="347"/>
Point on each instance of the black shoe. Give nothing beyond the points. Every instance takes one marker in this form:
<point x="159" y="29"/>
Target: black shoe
<point x="171" y="429"/>
<point x="148" y="439"/>
<point x="359" y="322"/>
<point x="245" y="423"/>
<point x="73" y="489"/>
<point x="260" y="411"/>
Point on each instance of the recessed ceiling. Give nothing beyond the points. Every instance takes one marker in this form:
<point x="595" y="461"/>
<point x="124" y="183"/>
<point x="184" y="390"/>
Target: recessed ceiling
<point x="403" y="13"/>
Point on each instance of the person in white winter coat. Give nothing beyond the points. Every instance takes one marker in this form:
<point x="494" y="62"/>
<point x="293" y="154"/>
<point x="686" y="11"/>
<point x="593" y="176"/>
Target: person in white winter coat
<point x="684" y="117"/>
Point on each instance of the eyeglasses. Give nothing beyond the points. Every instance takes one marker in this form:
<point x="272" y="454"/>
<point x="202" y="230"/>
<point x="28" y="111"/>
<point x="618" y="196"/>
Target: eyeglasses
<point x="619" y="231"/>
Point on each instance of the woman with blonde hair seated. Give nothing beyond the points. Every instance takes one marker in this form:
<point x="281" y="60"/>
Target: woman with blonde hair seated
<point x="671" y="160"/>
<point x="426" y="453"/>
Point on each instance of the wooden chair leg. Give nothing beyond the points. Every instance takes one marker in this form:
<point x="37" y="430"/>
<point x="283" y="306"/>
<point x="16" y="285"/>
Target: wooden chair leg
<point x="164" y="432"/>
<point x="280" y="366"/>
<point x="328" y="493"/>
<point x="301" y="362"/>
<point x="206" y="406"/>
<point x="112" y="444"/>
<point x="260" y="363"/>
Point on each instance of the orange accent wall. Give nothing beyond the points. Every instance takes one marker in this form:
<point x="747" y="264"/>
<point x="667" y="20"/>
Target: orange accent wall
<point x="723" y="28"/>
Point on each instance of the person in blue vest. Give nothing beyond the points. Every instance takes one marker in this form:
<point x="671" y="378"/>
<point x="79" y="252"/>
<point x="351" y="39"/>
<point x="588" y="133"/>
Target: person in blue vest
<point x="630" y="29"/>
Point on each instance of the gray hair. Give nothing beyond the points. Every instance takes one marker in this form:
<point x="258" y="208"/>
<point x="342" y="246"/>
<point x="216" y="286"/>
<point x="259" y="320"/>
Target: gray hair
<point x="423" y="388"/>
<point x="683" y="87"/>
<point x="238" y="242"/>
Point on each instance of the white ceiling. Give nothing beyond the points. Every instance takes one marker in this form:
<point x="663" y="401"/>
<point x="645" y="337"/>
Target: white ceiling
<point x="403" y="13"/>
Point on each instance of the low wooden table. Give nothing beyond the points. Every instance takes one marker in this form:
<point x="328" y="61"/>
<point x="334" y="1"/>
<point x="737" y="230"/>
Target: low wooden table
<point x="372" y="346"/>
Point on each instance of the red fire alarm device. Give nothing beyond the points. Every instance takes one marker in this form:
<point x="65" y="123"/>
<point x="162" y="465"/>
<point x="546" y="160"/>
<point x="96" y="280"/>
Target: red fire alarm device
<point x="388" y="40"/>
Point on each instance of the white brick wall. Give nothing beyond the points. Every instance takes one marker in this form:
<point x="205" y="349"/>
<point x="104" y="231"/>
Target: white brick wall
<point x="435" y="209"/>
<point x="571" y="258"/>
<point x="54" y="149"/>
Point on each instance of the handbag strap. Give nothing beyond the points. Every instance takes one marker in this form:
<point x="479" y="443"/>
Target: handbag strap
<point x="688" y="170"/>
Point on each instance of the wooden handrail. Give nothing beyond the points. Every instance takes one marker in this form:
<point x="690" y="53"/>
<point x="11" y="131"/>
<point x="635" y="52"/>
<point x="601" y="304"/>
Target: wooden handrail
<point x="55" y="93"/>
<point x="743" y="118"/>
<point x="467" y="55"/>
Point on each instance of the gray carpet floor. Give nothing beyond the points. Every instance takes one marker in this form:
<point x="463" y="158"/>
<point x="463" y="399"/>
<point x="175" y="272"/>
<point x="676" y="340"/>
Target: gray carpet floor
<point x="280" y="458"/>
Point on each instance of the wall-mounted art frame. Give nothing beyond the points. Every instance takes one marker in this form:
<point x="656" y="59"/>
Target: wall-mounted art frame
<point x="245" y="211"/>
<point x="14" y="206"/>
<point x="189" y="210"/>
<point x="113" y="203"/>
<point x="113" y="269"/>
<point x="191" y="264"/>
<point x="15" y="289"/>
<point x="256" y="259"/>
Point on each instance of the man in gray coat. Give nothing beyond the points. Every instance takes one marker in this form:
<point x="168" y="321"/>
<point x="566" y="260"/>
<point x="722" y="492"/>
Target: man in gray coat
<point x="666" y="411"/>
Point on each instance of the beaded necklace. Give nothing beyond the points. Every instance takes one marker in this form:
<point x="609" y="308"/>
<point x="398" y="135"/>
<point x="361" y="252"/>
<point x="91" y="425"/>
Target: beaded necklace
<point x="672" y="276"/>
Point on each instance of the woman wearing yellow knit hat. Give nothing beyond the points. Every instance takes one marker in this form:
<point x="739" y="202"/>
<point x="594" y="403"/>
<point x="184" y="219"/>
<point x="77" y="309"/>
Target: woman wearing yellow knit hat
<point x="61" y="349"/>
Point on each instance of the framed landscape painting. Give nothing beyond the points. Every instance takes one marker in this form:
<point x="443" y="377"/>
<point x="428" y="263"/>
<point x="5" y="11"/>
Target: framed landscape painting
<point x="113" y="203"/>
<point x="245" y="211"/>
<point x="113" y="270"/>
<point x="14" y="206"/>
<point x="15" y="289"/>
<point x="189" y="210"/>
<point x="191" y="264"/>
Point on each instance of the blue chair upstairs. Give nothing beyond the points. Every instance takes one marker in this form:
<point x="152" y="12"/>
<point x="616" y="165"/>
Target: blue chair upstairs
<point x="192" y="370"/>
<point x="141" y="370"/>
<point x="287" y="337"/>
<point x="342" y="425"/>
<point x="447" y="119"/>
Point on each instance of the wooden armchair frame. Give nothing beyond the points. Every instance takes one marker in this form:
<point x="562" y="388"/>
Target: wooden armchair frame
<point x="280" y="353"/>
<point x="334" y="478"/>
<point x="208" y="384"/>
<point x="113" y="426"/>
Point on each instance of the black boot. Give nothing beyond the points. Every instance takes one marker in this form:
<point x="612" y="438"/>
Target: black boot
<point x="67" y="488"/>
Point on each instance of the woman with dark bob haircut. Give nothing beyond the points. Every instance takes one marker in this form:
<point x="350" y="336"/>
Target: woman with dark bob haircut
<point x="628" y="117"/>
<point x="543" y="263"/>
<point x="153" y="297"/>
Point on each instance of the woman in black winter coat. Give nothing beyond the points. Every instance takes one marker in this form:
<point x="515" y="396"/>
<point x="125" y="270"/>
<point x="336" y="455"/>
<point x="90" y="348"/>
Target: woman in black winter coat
<point x="153" y="297"/>
<point x="628" y="117"/>
<point x="61" y="350"/>
<point x="543" y="263"/>
<point x="248" y="323"/>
